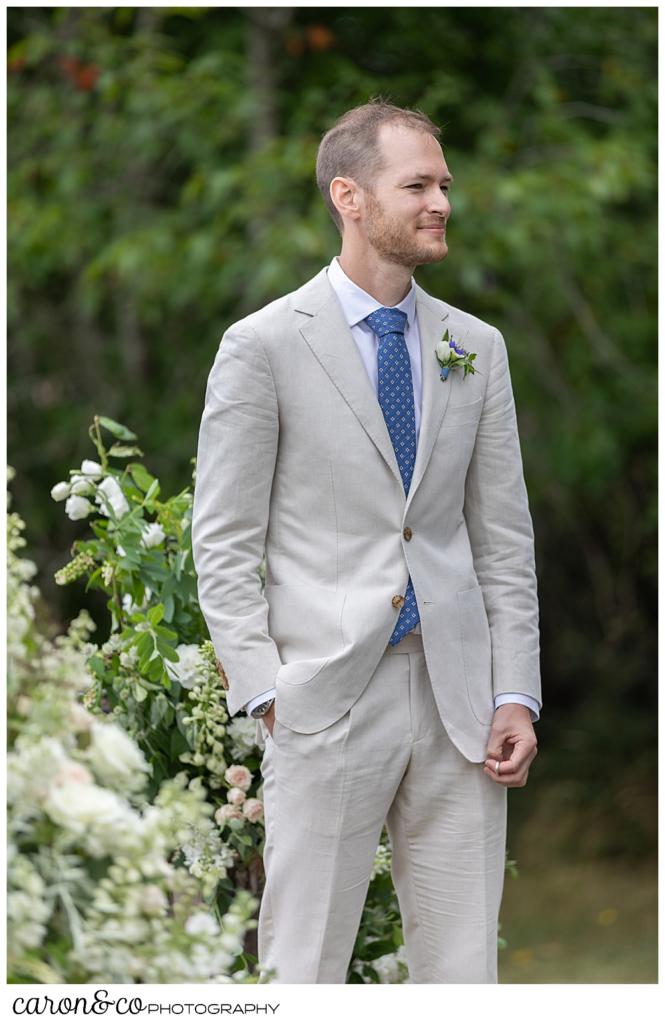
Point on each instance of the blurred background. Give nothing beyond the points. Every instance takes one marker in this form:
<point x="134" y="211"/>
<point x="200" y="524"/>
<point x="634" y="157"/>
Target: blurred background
<point x="161" y="186"/>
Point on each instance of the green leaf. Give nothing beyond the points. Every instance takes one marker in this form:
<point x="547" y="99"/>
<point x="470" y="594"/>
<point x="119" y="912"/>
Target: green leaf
<point x="153" y="491"/>
<point x="93" y="579"/>
<point x="155" y="669"/>
<point x="123" y="451"/>
<point x="373" y="950"/>
<point x="157" y="709"/>
<point x="139" y="692"/>
<point x="117" y="429"/>
<point x="169" y="608"/>
<point x="178" y="744"/>
<point x="144" y="645"/>
<point x="167" y="652"/>
<point x="165" y="634"/>
<point x="156" y="614"/>
<point x="96" y="665"/>
<point x="140" y="475"/>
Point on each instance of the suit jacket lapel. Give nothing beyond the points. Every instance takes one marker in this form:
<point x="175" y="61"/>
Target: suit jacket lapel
<point x="330" y="339"/>
<point x="436" y="394"/>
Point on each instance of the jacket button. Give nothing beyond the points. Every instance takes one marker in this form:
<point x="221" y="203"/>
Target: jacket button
<point x="398" y="601"/>
<point x="407" y="533"/>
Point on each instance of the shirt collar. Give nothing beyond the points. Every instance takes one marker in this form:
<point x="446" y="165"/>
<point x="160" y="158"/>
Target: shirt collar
<point x="357" y="304"/>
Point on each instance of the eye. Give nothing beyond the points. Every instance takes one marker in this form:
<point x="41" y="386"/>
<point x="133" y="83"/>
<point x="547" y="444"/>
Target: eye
<point x="444" y="188"/>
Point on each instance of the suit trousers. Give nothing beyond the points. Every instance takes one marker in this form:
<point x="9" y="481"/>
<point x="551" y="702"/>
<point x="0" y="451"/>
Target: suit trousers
<point x="326" y="798"/>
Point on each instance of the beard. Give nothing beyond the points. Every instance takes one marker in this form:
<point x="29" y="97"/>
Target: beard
<point x="391" y="240"/>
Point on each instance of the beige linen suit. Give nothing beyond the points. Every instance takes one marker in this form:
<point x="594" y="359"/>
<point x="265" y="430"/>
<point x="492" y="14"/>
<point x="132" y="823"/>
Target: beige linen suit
<point x="295" y="460"/>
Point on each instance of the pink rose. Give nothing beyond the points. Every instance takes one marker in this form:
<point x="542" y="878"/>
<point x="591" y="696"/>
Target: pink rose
<point x="226" y="811"/>
<point x="253" y="809"/>
<point x="236" y="796"/>
<point x="238" y="775"/>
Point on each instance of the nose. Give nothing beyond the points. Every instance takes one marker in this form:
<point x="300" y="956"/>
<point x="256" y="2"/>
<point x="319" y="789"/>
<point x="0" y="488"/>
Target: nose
<point x="439" y="204"/>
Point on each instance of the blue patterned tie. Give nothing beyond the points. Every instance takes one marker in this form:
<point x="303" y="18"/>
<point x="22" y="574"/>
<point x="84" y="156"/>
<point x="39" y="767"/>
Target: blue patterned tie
<point x="396" y="401"/>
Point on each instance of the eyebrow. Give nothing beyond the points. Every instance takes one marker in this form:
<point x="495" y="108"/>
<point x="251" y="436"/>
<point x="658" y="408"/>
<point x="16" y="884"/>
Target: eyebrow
<point x="428" y="177"/>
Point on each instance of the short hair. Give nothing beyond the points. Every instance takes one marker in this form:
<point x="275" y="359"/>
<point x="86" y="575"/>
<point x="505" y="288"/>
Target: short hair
<point x="350" y="148"/>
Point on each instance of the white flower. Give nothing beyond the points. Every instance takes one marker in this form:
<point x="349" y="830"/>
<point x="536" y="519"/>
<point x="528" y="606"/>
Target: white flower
<point x="201" y="924"/>
<point x="92" y="469"/>
<point x="30" y="768"/>
<point x="60" y="491"/>
<point x="253" y="809"/>
<point x="242" y="733"/>
<point x="153" y="900"/>
<point x="78" y="807"/>
<point x="82" y="485"/>
<point x="121" y="551"/>
<point x="392" y="967"/>
<point x="443" y="351"/>
<point x="110" y="497"/>
<point x="129" y="659"/>
<point x="238" y="775"/>
<point x="114" y="755"/>
<point x="185" y="670"/>
<point x="152" y="535"/>
<point x="236" y="796"/>
<point x="77" y="507"/>
<point x="129" y="606"/>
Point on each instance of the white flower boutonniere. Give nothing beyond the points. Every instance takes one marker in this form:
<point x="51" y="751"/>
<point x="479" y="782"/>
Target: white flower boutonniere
<point x="450" y="355"/>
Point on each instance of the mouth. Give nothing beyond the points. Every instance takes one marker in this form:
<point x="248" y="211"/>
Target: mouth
<point x="435" y="229"/>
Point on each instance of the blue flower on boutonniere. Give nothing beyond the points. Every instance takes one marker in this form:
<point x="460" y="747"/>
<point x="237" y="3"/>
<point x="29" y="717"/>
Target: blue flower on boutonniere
<point x="450" y="355"/>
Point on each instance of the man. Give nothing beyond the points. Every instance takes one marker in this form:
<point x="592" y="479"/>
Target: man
<point x="392" y="658"/>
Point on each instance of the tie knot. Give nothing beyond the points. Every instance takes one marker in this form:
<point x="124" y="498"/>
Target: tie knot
<point x="387" y="320"/>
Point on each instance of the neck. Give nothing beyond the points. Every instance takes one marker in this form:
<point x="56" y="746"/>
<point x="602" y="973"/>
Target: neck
<point x="387" y="282"/>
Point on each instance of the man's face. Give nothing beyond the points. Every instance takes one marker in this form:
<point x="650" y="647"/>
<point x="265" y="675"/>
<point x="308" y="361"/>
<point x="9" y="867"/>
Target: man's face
<point x="406" y="214"/>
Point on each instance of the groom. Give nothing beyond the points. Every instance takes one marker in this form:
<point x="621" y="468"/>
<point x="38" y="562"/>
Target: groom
<point x="392" y="659"/>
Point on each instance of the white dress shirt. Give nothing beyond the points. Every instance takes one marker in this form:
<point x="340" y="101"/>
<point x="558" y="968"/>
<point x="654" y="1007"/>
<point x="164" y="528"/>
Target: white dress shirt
<point x="356" y="305"/>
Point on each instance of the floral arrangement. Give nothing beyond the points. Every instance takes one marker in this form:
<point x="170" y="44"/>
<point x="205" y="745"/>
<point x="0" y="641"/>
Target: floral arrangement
<point x="103" y="883"/>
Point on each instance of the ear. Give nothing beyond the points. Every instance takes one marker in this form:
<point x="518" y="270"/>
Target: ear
<point x="346" y="195"/>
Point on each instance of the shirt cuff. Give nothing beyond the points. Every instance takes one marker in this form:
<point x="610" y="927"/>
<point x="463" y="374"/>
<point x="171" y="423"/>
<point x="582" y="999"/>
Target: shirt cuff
<point x="519" y="698"/>
<point x="255" y="701"/>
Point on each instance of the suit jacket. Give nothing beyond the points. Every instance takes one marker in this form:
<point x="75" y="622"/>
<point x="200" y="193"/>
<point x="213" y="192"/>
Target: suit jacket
<point x="295" y="461"/>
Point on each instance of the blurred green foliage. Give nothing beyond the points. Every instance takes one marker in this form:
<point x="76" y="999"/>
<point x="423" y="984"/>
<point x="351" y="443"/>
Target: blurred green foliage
<point x="161" y="185"/>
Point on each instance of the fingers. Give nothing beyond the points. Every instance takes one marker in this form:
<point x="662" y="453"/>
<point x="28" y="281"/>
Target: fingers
<point x="514" y="779"/>
<point x="514" y="771"/>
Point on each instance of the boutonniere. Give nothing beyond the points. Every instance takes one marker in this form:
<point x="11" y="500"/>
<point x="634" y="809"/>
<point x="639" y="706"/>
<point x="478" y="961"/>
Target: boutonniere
<point x="451" y="355"/>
